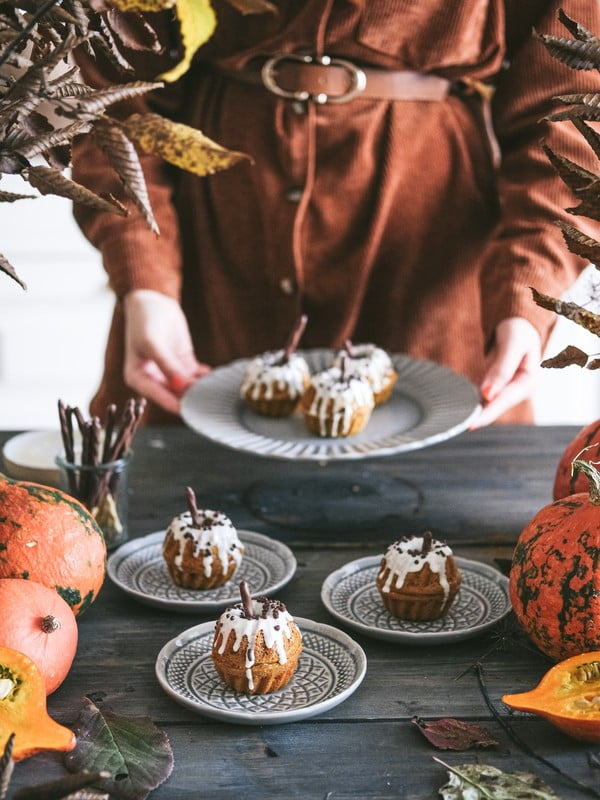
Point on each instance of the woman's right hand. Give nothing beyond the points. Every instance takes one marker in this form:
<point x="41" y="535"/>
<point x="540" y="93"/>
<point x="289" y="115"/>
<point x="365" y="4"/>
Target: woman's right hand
<point x="159" y="356"/>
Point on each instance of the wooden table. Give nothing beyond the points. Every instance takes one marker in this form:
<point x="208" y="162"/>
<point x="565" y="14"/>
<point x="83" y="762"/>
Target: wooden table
<point x="476" y="491"/>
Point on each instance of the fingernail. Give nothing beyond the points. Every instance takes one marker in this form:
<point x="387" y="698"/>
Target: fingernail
<point x="177" y="383"/>
<point x="488" y="391"/>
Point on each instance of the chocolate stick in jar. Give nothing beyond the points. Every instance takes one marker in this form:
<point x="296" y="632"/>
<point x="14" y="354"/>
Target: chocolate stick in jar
<point x="66" y="430"/>
<point x="247" y="604"/>
<point x="193" y="507"/>
<point x="109" y="426"/>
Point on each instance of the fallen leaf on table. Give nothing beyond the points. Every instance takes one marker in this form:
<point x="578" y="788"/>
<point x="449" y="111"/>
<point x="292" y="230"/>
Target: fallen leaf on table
<point x="452" y="734"/>
<point x="483" y="782"/>
<point x="135" y="752"/>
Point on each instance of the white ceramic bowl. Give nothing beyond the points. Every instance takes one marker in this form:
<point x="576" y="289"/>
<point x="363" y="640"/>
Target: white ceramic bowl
<point x="30" y="457"/>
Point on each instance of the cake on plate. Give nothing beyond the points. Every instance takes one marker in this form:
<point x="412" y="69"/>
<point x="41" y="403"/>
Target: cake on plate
<point x="337" y="402"/>
<point x="201" y="547"/>
<point x="274" y="381"/>
<point x="374" y="364"/>
<point x="418" y="578"/>
<point x="256" y="645"/>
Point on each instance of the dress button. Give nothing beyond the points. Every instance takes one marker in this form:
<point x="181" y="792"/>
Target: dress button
<point x="287" y="286"/>
<point x="294" y="195"/>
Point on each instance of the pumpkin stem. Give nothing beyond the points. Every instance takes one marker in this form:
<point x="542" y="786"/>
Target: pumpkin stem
<point x="591" y="473"/>
<point x="50" y="623"/>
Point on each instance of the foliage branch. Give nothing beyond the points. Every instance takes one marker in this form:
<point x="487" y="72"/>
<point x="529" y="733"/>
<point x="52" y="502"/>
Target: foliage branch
<point x="45" y="101"/>
<point x="582" y="52"/>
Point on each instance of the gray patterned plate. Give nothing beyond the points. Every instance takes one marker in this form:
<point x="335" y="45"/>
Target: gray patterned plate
<point x="139" y="569"/>
<point x="429" y="404"/>
<point x="350" y="595"/>
<point x="330" y="669"/>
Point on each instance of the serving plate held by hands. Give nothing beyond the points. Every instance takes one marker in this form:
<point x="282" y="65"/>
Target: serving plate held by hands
<point x="331" y="667"/>
<point x="350" y="595"/>
<point x="138" y="568"/>
<point x="429" y="403"/>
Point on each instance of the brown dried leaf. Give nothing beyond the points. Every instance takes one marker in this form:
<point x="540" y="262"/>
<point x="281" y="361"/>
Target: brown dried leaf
<point x="576" y="112"/>
<point x="575" y="28"/>
<point x="570" y="173"/>
<point x="12" y="163"/>
<point x="10" y="197"/>
<point x="581" y="316"/>
<point x="579" y="243"/>
<point x="40" y="144"/>
<point x="179" y="144"/>
<point x="95" y="102"/>
<point x="590" y="100"/>
<point x="582" y="55"/>
<point x="142" y="5"/>
<point x="452" y="734"/>
<point x="8" y="269"/>
<point x="590" y="135"/>
<point x="590" y="201"/>
<point x="124" y="160"/>
<point x="134" y="31"/>
<point x="567" y="357"/>
<point x="253" y="6"/>
<point x="48" y="180"/>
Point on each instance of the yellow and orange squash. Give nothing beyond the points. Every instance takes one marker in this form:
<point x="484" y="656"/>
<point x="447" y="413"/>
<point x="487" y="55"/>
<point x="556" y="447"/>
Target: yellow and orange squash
<point x="568" y="696"/>
<point x="49" y="537"/>
<point x="23" y="709"/>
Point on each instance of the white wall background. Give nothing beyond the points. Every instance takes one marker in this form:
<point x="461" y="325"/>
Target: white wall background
<point x="52" y="336"/>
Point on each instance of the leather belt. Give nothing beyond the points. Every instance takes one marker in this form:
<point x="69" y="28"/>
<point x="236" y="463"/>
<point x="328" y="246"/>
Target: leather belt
<point x="335" y="80"/>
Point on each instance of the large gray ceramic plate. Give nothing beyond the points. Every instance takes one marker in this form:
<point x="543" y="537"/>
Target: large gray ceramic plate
<point x="139" y="568"/>
<point x="429" y="404"/>
<point x="350" y="595"/>
<point x="330" y="669"/>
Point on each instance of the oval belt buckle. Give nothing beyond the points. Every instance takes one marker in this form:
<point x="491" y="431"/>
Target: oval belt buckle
<point x="357" y="83"/>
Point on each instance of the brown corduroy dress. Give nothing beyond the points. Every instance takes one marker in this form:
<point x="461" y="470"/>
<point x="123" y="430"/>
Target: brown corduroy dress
<point x="384" y="221"/>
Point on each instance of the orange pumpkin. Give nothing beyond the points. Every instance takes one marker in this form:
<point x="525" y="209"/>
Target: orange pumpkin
<point x="565" y="481"/>
<point x="554" y="581"/>
<point x="23" y="709"/>
<point x="568" y="696"/>
<point x="48" y="537"/>
<point x="38" y="622"/>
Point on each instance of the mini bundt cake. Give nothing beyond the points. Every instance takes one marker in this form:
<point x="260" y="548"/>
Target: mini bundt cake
<point x="256" y="645"/>
<point x="337" y="402"/>
<point x="374" y="364"/>
<point x="273" y="382"/>
<point x="418" y="578"/>
<point x="201" y="547"/>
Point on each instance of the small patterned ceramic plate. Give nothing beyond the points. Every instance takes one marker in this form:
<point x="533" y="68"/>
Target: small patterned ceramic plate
<point x="330" y="669"/>
<point x="429" y="404"/>
<point x="350" y="595"/>
<point x="139" y="569"/>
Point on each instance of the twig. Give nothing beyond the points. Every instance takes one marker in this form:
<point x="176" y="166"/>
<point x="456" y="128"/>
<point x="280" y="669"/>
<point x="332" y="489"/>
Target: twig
<point x="10" y="48"/>
<point x="507" y="727"/>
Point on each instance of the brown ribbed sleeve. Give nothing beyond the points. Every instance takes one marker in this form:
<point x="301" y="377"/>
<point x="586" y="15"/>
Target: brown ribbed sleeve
<point x="528" y="249"/>
<point x="133" y="256"/>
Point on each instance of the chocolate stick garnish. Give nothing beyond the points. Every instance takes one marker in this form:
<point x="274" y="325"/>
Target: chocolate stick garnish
<point x="427" y="539"/>
<point x="349" y="348"/>
<point x="109" y="426"/>
<point x="246" y="600"/>
<point x="67" y="438"/>
<point x="295" y="337"/>
<point x="195" y="514"/>
<point x="343" y="366"/>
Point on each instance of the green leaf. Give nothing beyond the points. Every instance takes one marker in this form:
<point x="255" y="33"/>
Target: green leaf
<point x="136" y="753"/>
<point x="483" y="782"/>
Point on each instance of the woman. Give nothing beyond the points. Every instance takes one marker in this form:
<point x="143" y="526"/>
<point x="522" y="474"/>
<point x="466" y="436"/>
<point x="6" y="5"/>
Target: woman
<point x="397" y="193"/>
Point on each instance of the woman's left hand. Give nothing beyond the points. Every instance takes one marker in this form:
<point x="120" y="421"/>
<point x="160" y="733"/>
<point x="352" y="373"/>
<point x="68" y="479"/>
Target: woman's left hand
<point x="513" y="368"/>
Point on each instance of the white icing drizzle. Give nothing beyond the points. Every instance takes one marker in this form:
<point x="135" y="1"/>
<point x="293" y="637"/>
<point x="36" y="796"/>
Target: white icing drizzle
<point x="337" y="400"/>
<point x="270" y="618"/>
<point x="216" y="530"/>
<point x="405" y="556"/>
<point x="272" y="372"/>
<point x="369" y="361"/>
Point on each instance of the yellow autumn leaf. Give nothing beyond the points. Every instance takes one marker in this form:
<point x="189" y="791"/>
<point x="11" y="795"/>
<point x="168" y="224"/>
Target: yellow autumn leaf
<point x="197" y="22"/>
<point x="179" y="144"/>
<point x="142" y="5"/>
